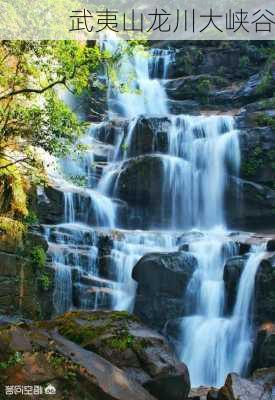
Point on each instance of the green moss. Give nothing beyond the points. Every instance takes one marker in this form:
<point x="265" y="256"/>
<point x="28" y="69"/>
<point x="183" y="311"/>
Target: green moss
<point x="255" y="162"/>
<point x="265" y="84"/>
<point x="31" y="218"/>
<point x="265" y="120"/>
<point x="45" y="281"/>
<point x="120" y="342"/>
<point x="269" y="103"/>
<point x="13" y="360"/>
<point x="204" y="87"/>
<point x="80" y="334"/>
<point x="38" y="257"/>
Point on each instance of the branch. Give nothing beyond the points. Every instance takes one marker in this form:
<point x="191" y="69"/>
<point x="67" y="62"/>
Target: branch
<point x="33" y="90"/>
<point x="14" y="162"/>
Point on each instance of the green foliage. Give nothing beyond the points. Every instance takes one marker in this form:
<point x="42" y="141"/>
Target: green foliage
<point x="38" y="257"/>
<point x="255" y="162"/>
<point x="13" y="186"/>
<point x="265" y="120"/>
<point x="265" y="84"/>
<point x="244" y="63"/>
<point x="11" y="231"/>
<point x="13" y="360"/>
<point x="45" y="281"/>
<point x="203" y="89"/>
<point x="31" y="218"/>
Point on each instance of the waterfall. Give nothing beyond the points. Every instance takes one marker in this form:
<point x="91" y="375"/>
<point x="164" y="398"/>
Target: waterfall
<point x="94" y="253"/>
<point x="220" y="344"/>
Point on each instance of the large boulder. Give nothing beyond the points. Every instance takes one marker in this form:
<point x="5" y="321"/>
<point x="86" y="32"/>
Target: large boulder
<point x="264" y="295"/>
<point x="237" y="388"/>
<point x="231" y="276"/>
<point x="162" y="280"/>
<point x="264" y="301"/>
<point x="234" y="59"/>
<point x="22" y="289"/>
<point x="140" y="182"/>
<point x="256" y="136"/>
<point x="144" y="355"/>
<point x="264" y="349"/>
<point x="248" y="205"/>
<point x="38" y="356"/>
<point x="149" y="136"/>
<point x="257" y="86"/>
<point x="194" y="87"/>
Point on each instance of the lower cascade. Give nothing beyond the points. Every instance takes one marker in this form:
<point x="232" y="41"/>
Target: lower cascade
<point x="150" y="178"/>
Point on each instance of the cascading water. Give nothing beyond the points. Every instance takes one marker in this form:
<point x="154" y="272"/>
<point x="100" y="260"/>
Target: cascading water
<point x="198" y="155"/>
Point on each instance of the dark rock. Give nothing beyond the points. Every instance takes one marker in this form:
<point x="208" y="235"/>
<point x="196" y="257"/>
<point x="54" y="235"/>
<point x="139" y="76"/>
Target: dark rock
<point x="149" y="136"/>
<point x="50" y="206"/>
<point x="237" y="388"/>
<point x="256" y="87"/>
<point x="213" y="394"/>
<point x="178" y="107"/>
<point x="249" y="206"/>
<point x="122" y="340"/>
<point x="270" y="245"/>
<point x="231" y="276"/>
<point x="264" y="297"/>
<point x="164" y="272"/>
<point x="162" y="280"/>
<point x="264" y="349"/>
<point x="193" y="87"/>
<point x="264" y="301"/>
<point x="265" y="377"/>
<point x="258" y="151"/>
<point x="45" y="356"/>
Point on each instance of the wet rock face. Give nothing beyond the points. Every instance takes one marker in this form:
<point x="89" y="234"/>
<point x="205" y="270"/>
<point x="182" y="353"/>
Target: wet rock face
<point x="264" y="299"/>
<point x="232" y="274"/>
<point x="254" y="209"/>
<point x="99" y="354"/>
<point x="162" y="280"/>
<point x="237" y="388"/>
<point x="22" y="292"/>
<point x="264" y="350"/>
<point x="264" y="308"/>
<point x="149" y="136"/>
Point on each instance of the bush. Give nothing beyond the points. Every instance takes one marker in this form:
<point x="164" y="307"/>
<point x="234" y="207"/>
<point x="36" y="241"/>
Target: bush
<point x="38" y="257"/>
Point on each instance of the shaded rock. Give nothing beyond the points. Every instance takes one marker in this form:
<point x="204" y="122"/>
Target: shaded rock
<point x="264" y="301"/>
<point x="149" y="136"/>
<point x="162" y="279"/>
<point x="193" y="87"/>
<point x="231" y="276"/>
<point x="139" y="183"/>
<point x="31" y="355"/>
<point x="265" y="377"/>
<point x="256" y="87"/>
<point x="249" y="206"/>
<point x="122" y="340"/>
<point x="264" y="349"/>
<point x="258" y="154"/>
<point x="50" y="205"/>
<point x="199" y="393"/>
<point x="178" y="107"/>
<point x="237" y="388"/>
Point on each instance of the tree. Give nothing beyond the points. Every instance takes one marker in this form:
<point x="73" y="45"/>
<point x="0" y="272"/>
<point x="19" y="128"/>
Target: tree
<point x="31" y="112"/>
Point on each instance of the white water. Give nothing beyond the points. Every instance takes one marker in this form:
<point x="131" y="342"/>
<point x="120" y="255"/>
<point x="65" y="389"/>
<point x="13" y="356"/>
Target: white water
<point x="201" y="152"/>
